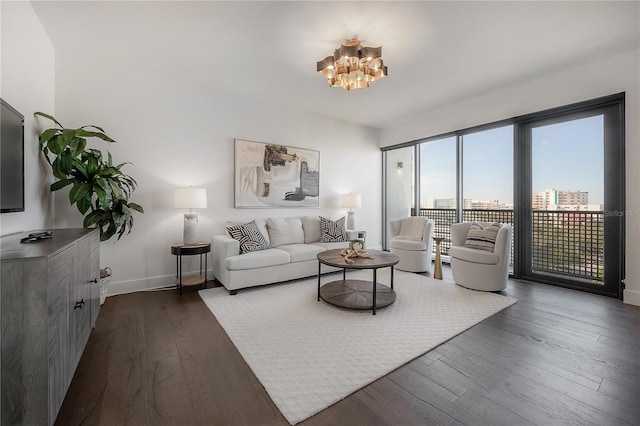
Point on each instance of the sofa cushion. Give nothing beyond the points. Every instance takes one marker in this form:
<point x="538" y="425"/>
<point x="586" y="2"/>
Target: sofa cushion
<point x="262" y="226"/>
<point x="332" y="231"/>
<point x="302" y="252"/>
<point x="285" y="231"/>
<point x="311" y="228"/>
<point x="257" y="259"/>
<point x="249" y="236"/>
<point x="481" y="237"/>
<point x="474" y="255"/>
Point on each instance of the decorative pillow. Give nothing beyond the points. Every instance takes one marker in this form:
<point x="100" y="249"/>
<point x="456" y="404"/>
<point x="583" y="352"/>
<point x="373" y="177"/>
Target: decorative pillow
<point x="250" y="237"/>
<point x="262" y="226"/>
<point x="482" y="237"/>
<point x="332" y="231"/>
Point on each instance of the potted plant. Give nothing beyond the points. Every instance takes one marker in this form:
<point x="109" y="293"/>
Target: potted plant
<point x="99" y="189"/>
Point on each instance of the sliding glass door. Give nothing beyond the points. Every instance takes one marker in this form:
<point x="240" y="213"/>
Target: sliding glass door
<point x="574" y="182"/>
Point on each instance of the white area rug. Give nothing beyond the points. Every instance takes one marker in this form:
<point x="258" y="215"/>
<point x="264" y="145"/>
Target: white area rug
<point x="309" y="354"/>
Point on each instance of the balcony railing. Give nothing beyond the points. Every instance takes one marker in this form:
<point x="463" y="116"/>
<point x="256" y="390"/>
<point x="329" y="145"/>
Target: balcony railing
<point x="567" y="243"/>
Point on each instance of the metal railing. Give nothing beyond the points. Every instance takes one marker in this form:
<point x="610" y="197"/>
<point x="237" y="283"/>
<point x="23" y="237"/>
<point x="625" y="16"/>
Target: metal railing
<point x="567" y="243"/>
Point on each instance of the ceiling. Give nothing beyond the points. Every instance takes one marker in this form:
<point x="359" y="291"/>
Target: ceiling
<point x="438" y="53"/>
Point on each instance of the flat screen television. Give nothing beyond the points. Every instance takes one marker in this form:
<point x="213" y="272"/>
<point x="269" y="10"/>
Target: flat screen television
<point x="11" y="159"/>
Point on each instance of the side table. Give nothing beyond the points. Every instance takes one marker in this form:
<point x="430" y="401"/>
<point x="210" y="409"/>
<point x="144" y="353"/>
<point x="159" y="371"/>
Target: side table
<point x="437" y="273"/>
<point x="180" y="250"/>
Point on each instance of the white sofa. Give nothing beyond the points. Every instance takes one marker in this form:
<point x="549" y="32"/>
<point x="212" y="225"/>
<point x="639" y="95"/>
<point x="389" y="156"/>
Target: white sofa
<point x="295" y="243"/>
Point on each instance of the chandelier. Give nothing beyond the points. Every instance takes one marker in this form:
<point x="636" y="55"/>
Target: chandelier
<point x="353" y="66"/>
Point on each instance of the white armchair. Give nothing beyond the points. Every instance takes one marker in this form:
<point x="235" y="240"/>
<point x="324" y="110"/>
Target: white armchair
<point x="411" y="239"/>
<point x="480" y="269"/>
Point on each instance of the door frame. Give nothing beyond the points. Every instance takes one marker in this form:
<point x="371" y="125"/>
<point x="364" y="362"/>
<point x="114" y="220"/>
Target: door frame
<point x="612" y="108"/>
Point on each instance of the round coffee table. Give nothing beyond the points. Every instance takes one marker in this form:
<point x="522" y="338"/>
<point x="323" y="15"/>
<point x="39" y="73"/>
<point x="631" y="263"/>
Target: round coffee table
<point x="357" y="294"/>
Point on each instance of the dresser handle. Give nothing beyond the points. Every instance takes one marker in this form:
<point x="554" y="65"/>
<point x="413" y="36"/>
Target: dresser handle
<point x="79" y="305"/>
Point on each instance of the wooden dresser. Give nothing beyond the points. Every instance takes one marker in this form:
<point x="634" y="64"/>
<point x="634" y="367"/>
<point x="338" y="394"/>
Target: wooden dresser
<point x="49" y="302"/>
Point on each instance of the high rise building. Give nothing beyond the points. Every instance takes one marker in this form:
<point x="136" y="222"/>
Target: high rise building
<point x="554" y="199"/>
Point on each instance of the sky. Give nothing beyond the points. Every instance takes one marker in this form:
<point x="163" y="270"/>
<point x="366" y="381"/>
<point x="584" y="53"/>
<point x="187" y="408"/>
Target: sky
<point x="565" y="156"/>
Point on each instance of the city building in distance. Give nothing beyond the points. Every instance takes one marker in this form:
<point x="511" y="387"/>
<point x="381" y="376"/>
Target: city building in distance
<point x="554" y="199"/>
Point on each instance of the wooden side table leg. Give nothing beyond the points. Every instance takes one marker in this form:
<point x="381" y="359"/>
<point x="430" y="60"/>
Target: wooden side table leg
<point x="206" y="259"/>
<point x="180" y="275"/>
<point x="319" y="268"/>
<point x="375" y="285"/>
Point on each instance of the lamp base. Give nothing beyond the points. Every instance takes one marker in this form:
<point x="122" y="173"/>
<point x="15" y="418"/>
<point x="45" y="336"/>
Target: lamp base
<point x="351" y="221"/>
<point x="190" y="228"/>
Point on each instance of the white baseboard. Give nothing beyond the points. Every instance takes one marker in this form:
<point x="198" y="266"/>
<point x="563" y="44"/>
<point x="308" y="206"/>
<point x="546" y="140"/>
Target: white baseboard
<point x="151" y="283"/>
<point x="631" y="297"/>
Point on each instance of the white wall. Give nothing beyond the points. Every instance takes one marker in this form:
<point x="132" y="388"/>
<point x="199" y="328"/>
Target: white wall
<point x="620" y="73"/>
<point x="27" y="84"/>
<point x="179" y="133"/>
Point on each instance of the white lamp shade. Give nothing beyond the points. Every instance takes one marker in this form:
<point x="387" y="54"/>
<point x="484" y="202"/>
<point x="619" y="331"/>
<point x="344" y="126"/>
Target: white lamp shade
<point x="191" y="198"/>
<point x="351" y="200"/>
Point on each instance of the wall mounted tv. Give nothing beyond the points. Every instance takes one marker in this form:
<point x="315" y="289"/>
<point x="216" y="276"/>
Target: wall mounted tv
<point x="11" y="159"/>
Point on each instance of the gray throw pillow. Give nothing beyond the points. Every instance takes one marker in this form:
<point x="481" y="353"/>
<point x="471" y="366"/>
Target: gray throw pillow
<point x="332" y="231"/>
<point x="250" y="237"/>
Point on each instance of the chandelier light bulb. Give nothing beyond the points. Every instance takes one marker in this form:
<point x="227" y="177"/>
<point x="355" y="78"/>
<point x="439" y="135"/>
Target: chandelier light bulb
<point x="353" y="66"/>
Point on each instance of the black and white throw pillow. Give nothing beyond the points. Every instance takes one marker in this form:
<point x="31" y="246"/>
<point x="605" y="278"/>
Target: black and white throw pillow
<point x="250" y="237"/>
<point x="482" y="237"/>
<point x="332" y="231"/>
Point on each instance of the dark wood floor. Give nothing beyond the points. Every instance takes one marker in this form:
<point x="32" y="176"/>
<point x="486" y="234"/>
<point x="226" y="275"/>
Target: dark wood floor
<point x="557" y="357"/>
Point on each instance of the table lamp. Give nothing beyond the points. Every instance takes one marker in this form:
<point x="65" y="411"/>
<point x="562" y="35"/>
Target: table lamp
<point x="351" y="201"/>
<point x="190" y="198"/>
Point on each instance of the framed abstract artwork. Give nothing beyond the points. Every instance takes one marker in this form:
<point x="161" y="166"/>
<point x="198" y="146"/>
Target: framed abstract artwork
<point x="270" y="175"/>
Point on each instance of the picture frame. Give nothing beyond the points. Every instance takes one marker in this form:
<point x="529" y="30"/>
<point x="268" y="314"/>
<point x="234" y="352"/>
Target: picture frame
<point x="273" y="175"/>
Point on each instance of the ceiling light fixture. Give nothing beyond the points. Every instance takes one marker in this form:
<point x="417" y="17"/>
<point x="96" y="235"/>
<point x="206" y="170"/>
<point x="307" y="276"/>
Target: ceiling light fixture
<point x="353" y="66"/>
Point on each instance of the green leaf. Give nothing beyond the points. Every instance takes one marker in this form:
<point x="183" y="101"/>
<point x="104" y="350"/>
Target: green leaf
<point x="56" y="168"/>
<point x="68" y="135"/>
<point x="42" y="114"/>
<point x="93" y="218"/>
<point x="88" y="134"/>
<point x="136" y="207"/>
<point x="92" y="166"/>
<point x="56" y="144"/>
<point x="93" y="126"/>
<point x="80" y="167"/>
<point x="78" y="191"/>
<point x="102" y="195"/>
<point x="66" y="162"/>
<point x="77" y="146"/>
<point x="84" y="204"/>
<point x="47" y="135"/>
<point x="60" y="184"/>
<point x="108" y="233"/>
